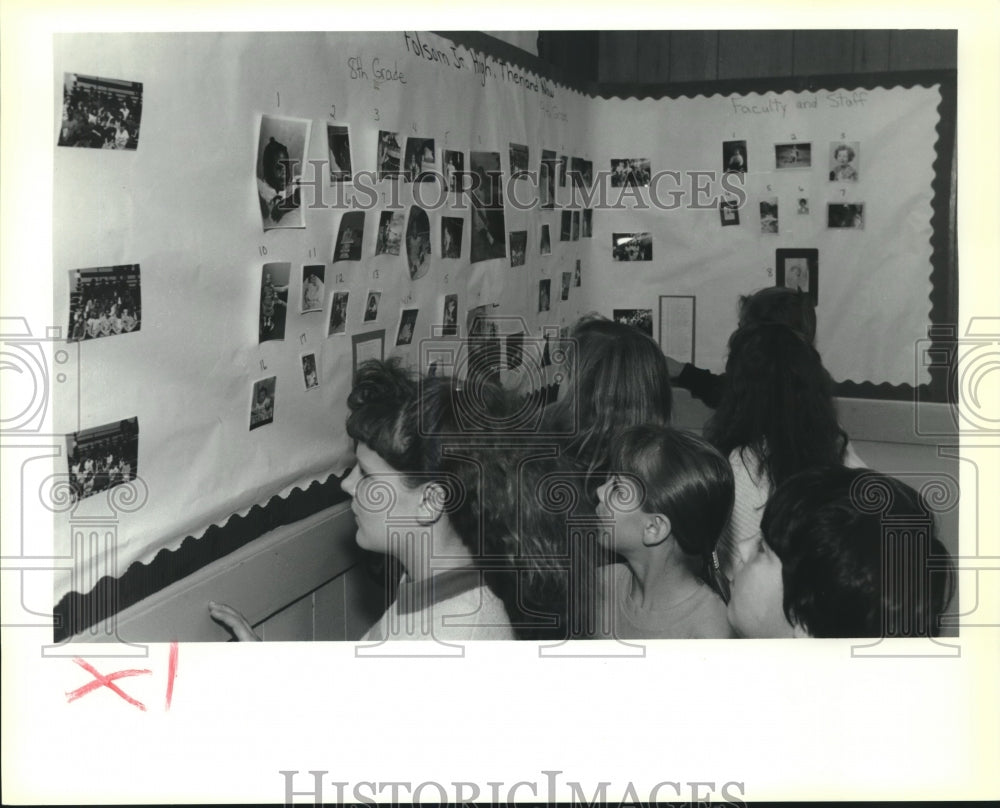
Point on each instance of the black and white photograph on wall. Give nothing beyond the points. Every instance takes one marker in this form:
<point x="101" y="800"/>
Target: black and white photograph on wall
<point x="454" y="167"/>
<point x="484" y="344"/>
<point x="338" y="144"/>
<point x="631" y="247"/>
<point x="420" y="159"/>
<point x="515" y="350"/>
<point x="769" y="215"/>
<point x="637" y="318"/>
<point x="518" y="247"/>
<point x="734" y="156"/>
<point x="792" y="155"/>
<point x="390" y="232"/>
<point x="575" y="226"/>
<point x="418" y="242"/>
<point x="563" y="169"/>
<point x="576" y="171"/>
<point x="567" y="280"/>
<point x="587" y="223"/>
<point x="310" y="374"/>
<point x="547" y="179"/>
<point x="103" y="302"/>
<point x="407" y="326"/>
<point x="544" y="294"/>
<point x="489" y="233"/>
<point x="545" y="241"/>
<point x="798" y="269"/>
<point x="274" y="278"/>
<point x="350" y="236"/>
<point x="518" y="160"/>
<point x="338" y="313"/>
<point x="587" y="173"/>
<point x="281" y="149"/>
<point x="388" y="158"/>
<point x="451" y="236"/>
<point x="313" y="277"/>
<point x="566" y="225"/>
<point x="100" y="113"/>
<point x="576" y="273"/>
<point x="449" y="316"/>
<point x="802" y="208"/>
<point x="262" y="402"/>
<point x="729" y="210"/>
<point x="102" y="457"/>
<point x="630" y="171"/>
<point x="851" y="216"/>
<point x="371" y="305"/>
<point x="845" y="158"/>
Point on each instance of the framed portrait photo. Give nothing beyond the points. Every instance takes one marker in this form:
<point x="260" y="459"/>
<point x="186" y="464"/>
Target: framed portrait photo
<point x="370" y="345"/>
<point x="798" y="269"/>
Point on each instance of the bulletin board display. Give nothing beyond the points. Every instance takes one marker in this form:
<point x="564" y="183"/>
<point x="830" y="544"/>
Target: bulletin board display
<point x="214" y="312"/>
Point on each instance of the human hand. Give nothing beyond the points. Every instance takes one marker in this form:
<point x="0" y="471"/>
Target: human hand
<point x="232" y="620"/>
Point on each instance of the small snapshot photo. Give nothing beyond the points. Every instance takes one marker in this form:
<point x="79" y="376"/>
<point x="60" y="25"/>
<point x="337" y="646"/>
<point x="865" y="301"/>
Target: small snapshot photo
<point x="390" y="232"/>
<point x="544" y="294"/>
<point x="338" y="143"/>
<point x="566" y="225"/>
<point x="587" y="173"/>
<point x="798" y="269"/>
<point x="846" y="216"/>
<point x="518" y="160"/>
<point x="547" y="179"/>
<point x="454" y="167"/>
<point x="449" y="316"/>
<point x="576" y="273"/>
<point x="338" y="313"/>
<point x="388" y="157"/>
<point x="518" y="247"/>
<point x="632" y="246"/>
<point x="802" y="206"/>
<point x="489" y="234"/>
<point x="371" y="305"/>
<point x="587" y="223"/>
<point x="734" y="156"/>
<point x="420" y="160"/>
<point x="575" y="226"/>
<point x="100" y="113"/>
<point x="451" y="236"/>
<point x="313" y="277"/>
<point x="350" y="236"/>
<point x="630" y="171"/>
<point x="102" y="457"/>
<point x="844" y="160"/>
<point x="769" y="215"/>
<point x="418" y="242"/>
<point x="407" y="326"/>
<point x="792" y="155"/>
<point x="262" y="402"/>
<point x="103" y="302"/>
<point x="567" y="280"/>
<point x="310" y="374"/>
<point x="637" y="318"/>
<point x="563" y="170"/>
<point x="281" y="151"/>
<point x="273" y="300"/>
<point x="729" y="211"/>
<point x="545" y="241"/>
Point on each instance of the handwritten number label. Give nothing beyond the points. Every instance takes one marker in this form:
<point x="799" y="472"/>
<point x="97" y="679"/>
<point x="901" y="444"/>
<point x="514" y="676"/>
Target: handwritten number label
<point x="414" y="127"/>
<point x="375" y="275"/>
<point x="769" y="187"/>
<point x="770" y="272"/>
<point x="263" y="250"/>
<point x="312" y="252"/>
<point x="340" y="277"/>
<point x="278" y="96"/>
<point x="333" y="111"/>
<point x="262" y="365"/>
<point x="793" y="136"/>
<point x="843" y="135"/>
<point x="378" y="117"/>
<point x="446" y="279"/>
<point x="843" y="192"/>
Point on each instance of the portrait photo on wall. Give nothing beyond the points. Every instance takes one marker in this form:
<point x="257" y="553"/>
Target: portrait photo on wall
<point x="274" y="278"/>
<point x="454" y="166"/>
<point x="563" y="170"/>
<point x="338" y="313"/>
<point x="370" y="345"/>
<point x="566" y="225"/>
<point x="449" y="316"/>
<point x="792" y="155"/>
<point x="350" y="236"/>
<point x="729" y="210"/>
<point x="100" y="113"/>
<point x="103" y="302"/>
<point x="575" y="226"/>
<point x="845" y="158"/>
<point x="484" y="343"/>
<point x="418" y="242"/>
<point x="420" y="160"/>
<point x="798" y="269"/>
<point x="851" y="215"/>
<point x="547" y="179"/>
<point x="407" y="326"/>
<point x="576" y="273"/>
<point x="769" y="215"/>
<point x="102" y="457"/>
<point x="338" y="143"/>
<point x="630" y="171"/>
<point x="388" y="159"/>
<point x="518" y="160"/>
<point x="390" y="232"/>
<point x="544" y="294"/>
<point x="637" y="318"/>
<point x="313" y="277"/>
<point x="734" y="156"/>
<point x="451" y="236"/>
<point x="518" y="247"/>
<point x="281" y="149"/>
<point x="371" y="305"/>
<point x="489" y="234"/>
<point x="545" y="241"/>
<point x="802" y="206"/>
<point x="567" y="280"/>
<point x="632" y="246"/>
<point x="310" y="375"/>
<point x="587" y="223"/>
<point x="262" y="402"/>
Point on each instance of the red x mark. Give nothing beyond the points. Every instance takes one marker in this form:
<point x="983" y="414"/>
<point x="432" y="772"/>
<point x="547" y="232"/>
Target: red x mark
<point x="105" y="681"/>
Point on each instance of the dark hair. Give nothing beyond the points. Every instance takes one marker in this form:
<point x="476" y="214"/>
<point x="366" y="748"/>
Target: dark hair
<point x="844" y="574"/>
<point x="778" y="304"/>
<point x="620" y="379"/>
<point x="274" y="152"/>
<point x="684" y="478"/>
<point x="777" y="402"/>
<point x="844" y="147"/>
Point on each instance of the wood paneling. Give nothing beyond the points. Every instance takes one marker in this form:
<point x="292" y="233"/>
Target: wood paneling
<point x="694" y="56"/>
<point x="616" y="56"/>
<point x="294" y="623"/>
<point x="755" y="54"/>
<point x="652" y="63"/>
<point x="871" y="51"/>
<point x="818" y="53"/>
<point x="923" y="50"/>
